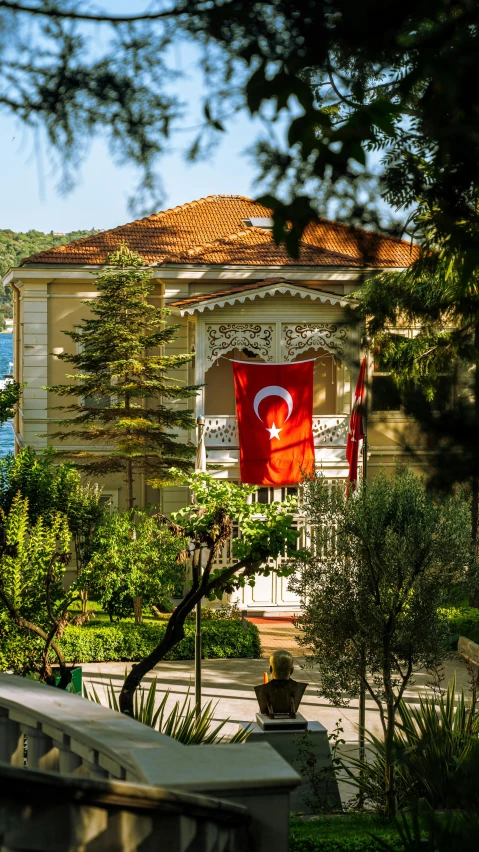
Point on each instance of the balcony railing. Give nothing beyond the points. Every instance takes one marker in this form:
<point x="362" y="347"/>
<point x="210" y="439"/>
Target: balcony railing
<point x="222" y="431"/>
<point x="222" y="442"/>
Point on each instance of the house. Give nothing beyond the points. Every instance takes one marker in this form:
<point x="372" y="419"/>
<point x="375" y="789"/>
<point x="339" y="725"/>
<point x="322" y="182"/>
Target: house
<point x="234" y="293"/>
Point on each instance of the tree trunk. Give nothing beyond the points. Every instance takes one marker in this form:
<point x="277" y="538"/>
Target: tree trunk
<point x="362" y="727"/>
<point x="174" y="633"/>
<point x="390" y="805"/>
<point x="129" y="484"/>
<point x="389" y="780"/>
<point x="138" y="609"/>
<point x="84" y="600"/>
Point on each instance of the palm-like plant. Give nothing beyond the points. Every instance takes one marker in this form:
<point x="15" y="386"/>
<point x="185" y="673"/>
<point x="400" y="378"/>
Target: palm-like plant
<point x="434" y="745"/>
<point x="182" y="723"/>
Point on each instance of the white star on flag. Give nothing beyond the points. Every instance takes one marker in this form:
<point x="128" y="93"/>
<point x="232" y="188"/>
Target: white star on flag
<point x="273" y="432"/>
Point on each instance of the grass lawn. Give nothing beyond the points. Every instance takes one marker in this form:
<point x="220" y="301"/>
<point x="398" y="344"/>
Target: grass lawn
<point x="342" y="833"/>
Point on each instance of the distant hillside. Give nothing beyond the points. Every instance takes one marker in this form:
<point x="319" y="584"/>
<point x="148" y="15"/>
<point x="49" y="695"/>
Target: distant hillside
<point x="16" y="245"/>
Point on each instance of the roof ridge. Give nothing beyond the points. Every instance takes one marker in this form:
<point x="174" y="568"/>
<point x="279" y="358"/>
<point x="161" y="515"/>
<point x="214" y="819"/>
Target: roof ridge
<point x="245" y="232"/>
<point x="152" y="216"/>
<point x="210" y="244"/>
<point x="192" y="203"/>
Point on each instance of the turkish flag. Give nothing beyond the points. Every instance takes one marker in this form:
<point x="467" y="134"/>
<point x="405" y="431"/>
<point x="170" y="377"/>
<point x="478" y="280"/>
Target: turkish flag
<point x="274" y="406"/>
<point x="356" y="430"/>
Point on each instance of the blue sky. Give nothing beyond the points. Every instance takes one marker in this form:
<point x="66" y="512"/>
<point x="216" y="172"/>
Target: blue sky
<point x="28" y="176"/>
<point x="28" y="180"/>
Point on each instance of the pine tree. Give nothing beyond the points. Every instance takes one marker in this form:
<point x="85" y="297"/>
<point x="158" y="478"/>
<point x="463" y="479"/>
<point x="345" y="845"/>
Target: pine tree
<point x="127" y="397"/>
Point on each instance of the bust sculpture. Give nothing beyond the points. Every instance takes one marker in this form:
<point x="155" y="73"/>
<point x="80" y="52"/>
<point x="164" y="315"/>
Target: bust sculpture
<point x="282" y="695"/>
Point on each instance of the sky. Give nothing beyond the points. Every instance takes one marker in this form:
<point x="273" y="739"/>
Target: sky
<point x="30" y="199"/>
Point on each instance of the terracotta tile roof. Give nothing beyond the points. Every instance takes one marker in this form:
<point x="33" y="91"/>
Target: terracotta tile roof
<point x="213" y="230"/>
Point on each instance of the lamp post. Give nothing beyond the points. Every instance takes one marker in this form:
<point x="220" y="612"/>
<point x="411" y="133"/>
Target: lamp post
<point x="200" y="466"/>
<point x="365" y="343"/>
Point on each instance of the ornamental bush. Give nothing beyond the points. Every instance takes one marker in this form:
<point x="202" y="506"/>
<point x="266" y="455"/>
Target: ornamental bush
<point x="96" y="642"/>
<point x="462" y="621"/>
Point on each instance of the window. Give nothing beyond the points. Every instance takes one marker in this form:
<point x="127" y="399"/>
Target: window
<point x="92" y="401"/>
<point x="384" y="391"/>
<point x="385" y="394"/>
<point x="269" y="494"/>
<point x="109" y="499"/>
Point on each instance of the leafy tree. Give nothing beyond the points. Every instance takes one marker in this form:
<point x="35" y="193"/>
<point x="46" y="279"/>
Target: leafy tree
<point x="9" y="398"/>
<point x="136" y="559"/>
<point x="403" y="87"/>
<point x="51" y="487"/>
<point x="127" y="394"/>
<point x="16" y="245"/>
<point x="379" y="566"/>
<point x="33" y="603"/>
<point x="436" y="371"/>
<point x="266" y="533"/>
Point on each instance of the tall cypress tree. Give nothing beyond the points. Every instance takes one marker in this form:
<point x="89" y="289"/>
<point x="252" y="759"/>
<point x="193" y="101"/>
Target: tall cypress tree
<point x="124" y="396"/>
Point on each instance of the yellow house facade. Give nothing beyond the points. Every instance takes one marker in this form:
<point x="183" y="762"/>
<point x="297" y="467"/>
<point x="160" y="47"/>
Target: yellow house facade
<point x="234" y="294"/>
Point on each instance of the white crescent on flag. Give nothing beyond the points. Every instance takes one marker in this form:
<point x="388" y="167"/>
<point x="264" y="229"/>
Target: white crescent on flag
<point x="273" y="390"/>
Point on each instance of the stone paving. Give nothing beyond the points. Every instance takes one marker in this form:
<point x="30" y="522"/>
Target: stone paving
<point x="277" y="633"/>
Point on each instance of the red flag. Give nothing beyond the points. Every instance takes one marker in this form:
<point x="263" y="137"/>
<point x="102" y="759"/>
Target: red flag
<point x="356" y="431"/>
<point x="274" y="406"/>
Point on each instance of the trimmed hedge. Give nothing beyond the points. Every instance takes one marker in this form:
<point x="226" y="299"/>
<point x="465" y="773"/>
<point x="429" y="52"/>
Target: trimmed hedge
<point x="342" y="833"/>
<point x="101" y="642"/>
<point x="463" y="621"/>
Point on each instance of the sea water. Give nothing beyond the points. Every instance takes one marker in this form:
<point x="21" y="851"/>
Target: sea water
<point x="6" y="357"/>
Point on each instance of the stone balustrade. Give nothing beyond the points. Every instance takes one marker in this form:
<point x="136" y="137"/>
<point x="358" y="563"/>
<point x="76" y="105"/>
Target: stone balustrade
<point x="469" y="650"/>
<point x="44" y="728"/>
<point x="50" y="812"/>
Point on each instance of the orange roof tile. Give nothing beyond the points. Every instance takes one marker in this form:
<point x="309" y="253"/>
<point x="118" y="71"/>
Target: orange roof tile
<point x="213" y="230"/>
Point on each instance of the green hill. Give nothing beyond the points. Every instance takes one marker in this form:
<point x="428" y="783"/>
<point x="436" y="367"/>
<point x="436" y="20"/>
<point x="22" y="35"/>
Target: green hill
<point x="14" y="246"/>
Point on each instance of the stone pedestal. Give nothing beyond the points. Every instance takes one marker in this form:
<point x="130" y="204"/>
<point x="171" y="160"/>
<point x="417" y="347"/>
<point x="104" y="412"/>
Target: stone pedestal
<point x="283" y="735"/>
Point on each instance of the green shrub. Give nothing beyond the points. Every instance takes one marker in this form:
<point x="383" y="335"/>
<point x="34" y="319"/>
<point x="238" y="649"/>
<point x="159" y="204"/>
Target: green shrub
<point x="463" y="621"/>
<point x="342" y="833"/>
<point x="102" y="642"/>
<point x="434" y="746"/>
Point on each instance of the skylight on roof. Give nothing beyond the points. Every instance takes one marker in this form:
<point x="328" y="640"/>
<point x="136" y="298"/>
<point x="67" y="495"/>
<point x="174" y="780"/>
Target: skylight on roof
<point x="259" y="222"/>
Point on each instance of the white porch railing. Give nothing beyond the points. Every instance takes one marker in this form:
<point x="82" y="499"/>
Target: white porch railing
<point x="221" y="431"/>
<point x="48" y="729"/>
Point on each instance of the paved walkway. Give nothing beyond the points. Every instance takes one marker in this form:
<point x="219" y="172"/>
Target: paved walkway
<point x="229" y="685"/>
<point x="277" y="633"/>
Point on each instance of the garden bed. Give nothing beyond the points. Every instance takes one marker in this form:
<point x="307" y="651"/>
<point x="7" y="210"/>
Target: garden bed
<point x="103" y="642"/>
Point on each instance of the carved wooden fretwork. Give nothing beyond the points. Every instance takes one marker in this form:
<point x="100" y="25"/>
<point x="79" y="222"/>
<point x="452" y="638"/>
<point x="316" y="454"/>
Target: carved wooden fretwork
<point x="301" y="336"/>
<point x="255" y="337"/>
